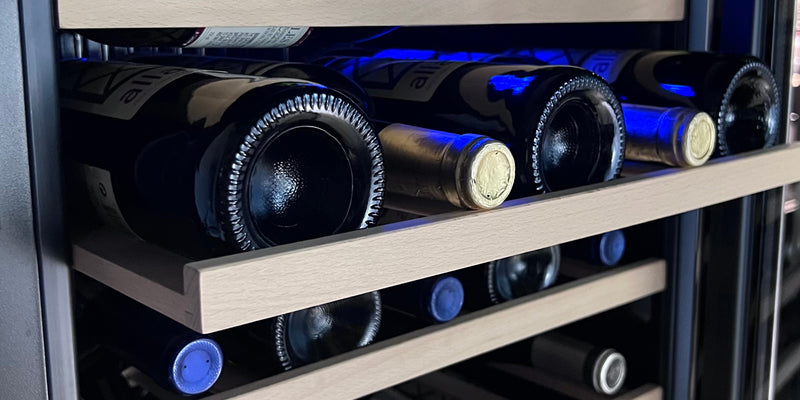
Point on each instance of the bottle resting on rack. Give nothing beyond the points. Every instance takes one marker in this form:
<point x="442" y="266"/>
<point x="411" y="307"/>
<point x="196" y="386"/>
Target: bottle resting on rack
<point x="305" y="336"/>
<point x="234" y="37"/>
<point x="509" y="278"/>
<point x="172" y="355"/>
<point x="677" y="136"/>
<point x="436" y="299"/>
<point x="605" y="249"/>
<point x="467" y="171"/>
<point x="253" y="37"/>
<point x="563" y="125"/>
<point x="602" y="369"/>
<point x="208" y="163"/>
<point x="738" y="92"/>
<point x="267" y="69"/>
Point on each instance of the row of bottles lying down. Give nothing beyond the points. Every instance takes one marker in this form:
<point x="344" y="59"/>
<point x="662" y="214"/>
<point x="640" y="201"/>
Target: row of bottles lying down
<point x="182" y="361"/>
<point x="205" y="162"/>
<point x="208" y="162"/>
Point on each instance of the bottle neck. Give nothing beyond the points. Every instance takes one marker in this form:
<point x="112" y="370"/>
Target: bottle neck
<point x="323" y="331"/>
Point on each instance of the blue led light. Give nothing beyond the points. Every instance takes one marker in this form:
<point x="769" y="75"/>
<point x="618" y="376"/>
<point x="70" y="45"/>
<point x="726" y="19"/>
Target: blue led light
<point x="517" y="84"/>
<point x="197" y="366"/>
<point x="681" y="90"/>
<point x="447" y="298"/>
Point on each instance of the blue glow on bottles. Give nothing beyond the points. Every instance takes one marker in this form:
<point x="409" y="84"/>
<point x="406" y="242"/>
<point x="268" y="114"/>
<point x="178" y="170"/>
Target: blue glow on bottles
<point x="463" y="56"/>
<point x="680" y="90"/>
<point x="407" y="54"/>
<point x="412" y="54"/>
<point x="347" y="70"/>
<point x="552" y="57"/>
<point x="517" y="84"/>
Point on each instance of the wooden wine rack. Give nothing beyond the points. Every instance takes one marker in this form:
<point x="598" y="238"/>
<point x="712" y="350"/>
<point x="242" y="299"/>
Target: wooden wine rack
<point x="225" y="292"/>
<point x="74" y="14"/>
<point x="405" y="357"/>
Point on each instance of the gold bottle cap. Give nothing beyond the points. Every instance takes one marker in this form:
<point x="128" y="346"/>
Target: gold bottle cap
<point x="490" y="175"/>
<point x="699" y="139"/>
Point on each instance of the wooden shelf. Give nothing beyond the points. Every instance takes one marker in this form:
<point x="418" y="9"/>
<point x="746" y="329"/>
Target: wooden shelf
<point x="74" y="14"/>
<point x="399" y="359"/>
<point x="644" y="392"/>
<point x="220" y="293"/>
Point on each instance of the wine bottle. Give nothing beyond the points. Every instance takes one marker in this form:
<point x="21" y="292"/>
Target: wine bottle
<point x="509" y="278"/>
<point x="603" y="369"/>
<point x="254" y="37"/>
<point x="738" y="92"/>
<point x="207" y="163"/>
<point x="605" y="249"/>
<point x="267" y="69"/>
<point x="305" y="336"/>
<point x="436" y="299"/>
<point x="468" y="171"/>
<point x="172" y="355"/>
<point x="677" y="136"/>
<point x="563" y="125"/>
<point x="236" y="37"/>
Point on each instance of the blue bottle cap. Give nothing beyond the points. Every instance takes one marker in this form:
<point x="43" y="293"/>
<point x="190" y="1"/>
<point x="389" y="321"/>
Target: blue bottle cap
<point x="197" y="366"/>
<point x="611" y="247"/>
<point x="447" y="297"/>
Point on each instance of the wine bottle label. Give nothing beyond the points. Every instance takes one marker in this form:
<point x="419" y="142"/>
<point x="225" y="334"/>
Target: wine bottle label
<point x="101" y="194"/>
<point x="608" y="63"/>
<point x="402" y="80"/>
<point x="249" y="37"/>
<point x="115" y="90"/>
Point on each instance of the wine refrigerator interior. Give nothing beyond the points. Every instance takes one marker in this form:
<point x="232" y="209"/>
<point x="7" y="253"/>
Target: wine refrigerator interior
<point x="583" y="205"/>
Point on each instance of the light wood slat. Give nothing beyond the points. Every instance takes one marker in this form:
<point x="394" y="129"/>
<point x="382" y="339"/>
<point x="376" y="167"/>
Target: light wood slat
<point x="242" y="288"/>
<point x="141" y="271"/>
<point x="388" y="363"/>
<point x="229" y="291"/>
<point x="200" y="13"/>
<point x="645" y="392"/>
